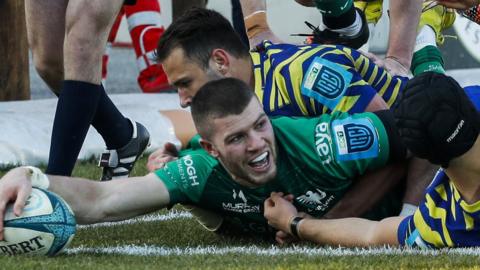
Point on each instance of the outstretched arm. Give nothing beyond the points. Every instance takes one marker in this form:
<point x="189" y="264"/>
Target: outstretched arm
<point x="94" y="201"/>
<point x="349" y="232"/>
<point x="91" y="201"/>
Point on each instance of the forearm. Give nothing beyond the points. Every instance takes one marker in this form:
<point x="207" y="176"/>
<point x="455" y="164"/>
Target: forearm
<point x="367" y="191"/>
<point x="82" y="195"/>
<point x="404" y="18"/>
<point x="420" y="175"/>
<point x="377" y="104"/>
<point x="94" y="201"/>
<point x="350" y="232"/>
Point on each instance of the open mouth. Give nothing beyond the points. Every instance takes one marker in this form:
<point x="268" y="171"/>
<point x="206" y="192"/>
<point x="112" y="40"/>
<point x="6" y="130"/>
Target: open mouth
<point x="261" y="162"/>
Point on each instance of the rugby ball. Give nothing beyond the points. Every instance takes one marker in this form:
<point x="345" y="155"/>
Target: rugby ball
<point x="46" y="226"/>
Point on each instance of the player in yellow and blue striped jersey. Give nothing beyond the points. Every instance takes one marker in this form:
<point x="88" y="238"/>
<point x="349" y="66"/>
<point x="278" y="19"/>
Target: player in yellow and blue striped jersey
<point x="450" y="213"/>
<point x="312" y="79"/>
<point x="438" y="120"/>
<point x="293" y="80"/>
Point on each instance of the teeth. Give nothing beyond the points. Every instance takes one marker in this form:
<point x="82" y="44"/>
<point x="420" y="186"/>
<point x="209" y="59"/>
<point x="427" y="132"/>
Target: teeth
<point x="260" y="157"/>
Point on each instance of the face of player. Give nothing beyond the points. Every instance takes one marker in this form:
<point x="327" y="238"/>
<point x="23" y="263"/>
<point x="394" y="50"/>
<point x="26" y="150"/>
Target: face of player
<point x="186" y="75"/>
<point x="245" y="145"/>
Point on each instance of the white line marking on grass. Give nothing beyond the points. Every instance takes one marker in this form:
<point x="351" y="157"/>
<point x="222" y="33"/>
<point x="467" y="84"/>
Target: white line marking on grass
<point x="147" y="218"/>
<point x="263" y="251"/>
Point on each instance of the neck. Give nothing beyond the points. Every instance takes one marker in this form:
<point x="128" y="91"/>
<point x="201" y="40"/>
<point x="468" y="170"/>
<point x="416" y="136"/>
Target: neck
<point x="251" y="75"/>
<point x="242" y="69"/>
<point x="246" y="72"/>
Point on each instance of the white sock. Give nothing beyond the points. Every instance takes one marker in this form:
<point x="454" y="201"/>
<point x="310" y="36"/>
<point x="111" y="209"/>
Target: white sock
<point x="408" y="210"/>
<point x="425" y="37"/>
<point x="353" y="29"/>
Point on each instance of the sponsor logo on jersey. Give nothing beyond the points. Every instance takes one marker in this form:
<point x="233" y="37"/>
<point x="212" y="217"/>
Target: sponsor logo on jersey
<point x="240" y="204"/>
<point x="315" y="200"/>
<point x="326" y="82"/>
<point x="187" y="171"/>
<point x="355" y="139"/>
<point x="322" y="143"/>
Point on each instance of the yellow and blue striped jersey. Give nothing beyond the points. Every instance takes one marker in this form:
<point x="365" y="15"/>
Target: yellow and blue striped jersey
<point x="286" y="74"/>
<point x="443" y="219"/>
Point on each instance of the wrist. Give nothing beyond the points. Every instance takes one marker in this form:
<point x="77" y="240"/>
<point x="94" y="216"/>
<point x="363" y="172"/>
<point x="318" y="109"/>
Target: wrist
<point x="294" y="225"/>
<point x="400" y="60"/>
<point x="37" y="177"/>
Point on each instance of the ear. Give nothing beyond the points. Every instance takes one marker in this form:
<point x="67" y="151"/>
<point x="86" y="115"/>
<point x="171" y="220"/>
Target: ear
<point x="221" y="60"/>
<point x="209" y="147"/>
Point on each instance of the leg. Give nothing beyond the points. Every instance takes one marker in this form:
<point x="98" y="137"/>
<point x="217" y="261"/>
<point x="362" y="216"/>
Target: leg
<point x="83" y="99"/>
<point x="87" y="28"/>
<point x="345" y="24"/>
<point x="45" y="38"/>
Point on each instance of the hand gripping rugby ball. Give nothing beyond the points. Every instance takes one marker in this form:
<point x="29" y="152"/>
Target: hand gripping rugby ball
<point x="46" y="226"/>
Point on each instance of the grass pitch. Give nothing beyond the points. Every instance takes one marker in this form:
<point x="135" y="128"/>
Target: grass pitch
<point x="174" y="240"/>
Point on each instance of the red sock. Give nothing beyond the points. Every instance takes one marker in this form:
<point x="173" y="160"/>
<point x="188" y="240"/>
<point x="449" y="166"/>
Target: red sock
<point x="145" y="26"/>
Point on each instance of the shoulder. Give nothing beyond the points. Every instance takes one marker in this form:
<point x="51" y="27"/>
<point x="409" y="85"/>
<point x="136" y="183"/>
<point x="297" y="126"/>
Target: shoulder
<point x="189" y="170"/>
<point x="186" y="177"/>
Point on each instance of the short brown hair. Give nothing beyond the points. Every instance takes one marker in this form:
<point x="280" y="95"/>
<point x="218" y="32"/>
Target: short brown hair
<point x="198" y="31"/>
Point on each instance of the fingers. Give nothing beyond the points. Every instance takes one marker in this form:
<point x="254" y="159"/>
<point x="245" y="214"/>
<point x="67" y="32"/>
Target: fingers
<point x="279" y="240"/>
<point x="289" y="197"/>
<point x="171" y="149"/>
<point x="155" y="154"/>
<point x="162" y="156"/>
<point x="269" y="203"/>
<point x="22" y="196"/>
<point x="168" y="149"/>
<point x="371" y="56"/>
<point x="153" y="165"/>
<point x="3" y="205"/>
<point x="284" y="238"/>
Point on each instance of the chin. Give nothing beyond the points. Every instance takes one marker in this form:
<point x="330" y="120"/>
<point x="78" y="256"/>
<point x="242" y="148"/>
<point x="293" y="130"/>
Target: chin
<point x="264" y="177"/>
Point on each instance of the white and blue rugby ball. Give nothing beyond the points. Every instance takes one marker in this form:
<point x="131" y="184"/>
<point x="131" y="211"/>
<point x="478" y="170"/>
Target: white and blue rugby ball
<point x="46" y="226"/>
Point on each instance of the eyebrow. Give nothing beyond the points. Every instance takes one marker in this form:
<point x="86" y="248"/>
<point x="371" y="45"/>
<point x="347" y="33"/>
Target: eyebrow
<point x="180" y="81"/>
<point x="262" y="115"/>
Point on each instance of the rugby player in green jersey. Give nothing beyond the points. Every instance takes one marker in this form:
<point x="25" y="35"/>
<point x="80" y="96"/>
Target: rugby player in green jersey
<point x="244" y="157"/>
<point x="438" y="120"/>
<point x="285" y="79"/>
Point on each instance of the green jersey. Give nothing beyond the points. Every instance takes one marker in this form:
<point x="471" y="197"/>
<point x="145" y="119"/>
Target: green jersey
<point x="318" y="159"/>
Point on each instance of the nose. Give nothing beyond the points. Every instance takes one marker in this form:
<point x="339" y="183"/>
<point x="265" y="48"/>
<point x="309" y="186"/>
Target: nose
<point x="255" y="142"/>
<point x="185" y="100"/>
